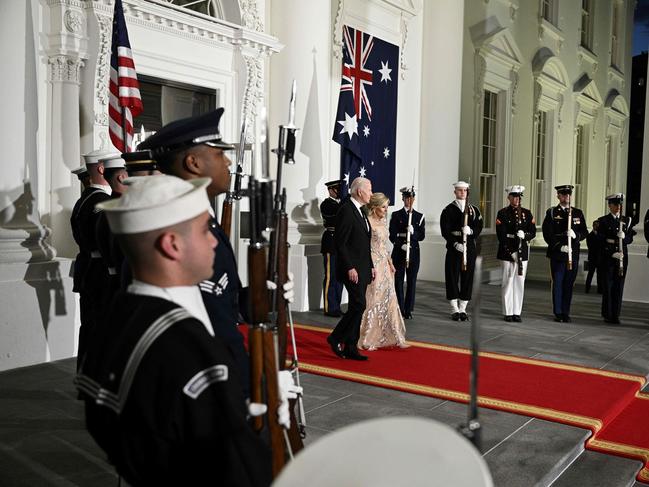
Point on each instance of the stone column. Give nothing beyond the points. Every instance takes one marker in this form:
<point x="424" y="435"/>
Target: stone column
<point x="440" y="124"/>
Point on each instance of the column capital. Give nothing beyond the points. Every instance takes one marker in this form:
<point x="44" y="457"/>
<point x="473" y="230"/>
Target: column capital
<point x="64" y="69"/>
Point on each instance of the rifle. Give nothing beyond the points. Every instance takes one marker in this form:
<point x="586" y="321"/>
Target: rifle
<point x="620" y="240"/>
<point x="568" y="232"/>
<point x="408" y="231"/>
<point x="234" y="193"/>
<point x="520" y="240"/>
<point x="464" y="236"/>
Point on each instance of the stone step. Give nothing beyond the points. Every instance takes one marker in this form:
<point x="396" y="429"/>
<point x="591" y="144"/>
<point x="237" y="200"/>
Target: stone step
<point x="535" y="454"/>
<point x="599" y="470"/>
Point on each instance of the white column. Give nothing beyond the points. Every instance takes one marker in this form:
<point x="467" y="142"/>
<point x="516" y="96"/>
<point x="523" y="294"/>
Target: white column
<point x="636" y="287"/>
<point x="440" y="124"/>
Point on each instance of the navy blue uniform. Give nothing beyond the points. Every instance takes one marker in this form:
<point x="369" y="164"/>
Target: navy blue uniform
<point x="398" y="237"/>
<point x="459" y="283"/>
<point x="592" y="242"/>
<point x="612" y="281"/>
<point x="221" y="296"/>
<point x="332" y="287"/>
<point x="555" y="228"/>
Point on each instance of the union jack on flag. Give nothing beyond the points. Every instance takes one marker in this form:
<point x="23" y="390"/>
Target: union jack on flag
<point x="366" y="119"/>
<point x="125" y="102"/>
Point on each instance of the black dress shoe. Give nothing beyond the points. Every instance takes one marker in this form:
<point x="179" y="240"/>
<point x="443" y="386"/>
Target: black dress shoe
<point x="464" y="316"/>
<point x="336" y="347"/>
<point x="408" y="316"/>
<point x="566" y="319"/>
<point x="455" y="316"/>
<point x="558" y="318"/>
<point x="517" y="318"/>
<point x="508" y="319"/>
<point x="354" y="355"/>
<point x="334" y="314"/>
<point x="612" y="321"/>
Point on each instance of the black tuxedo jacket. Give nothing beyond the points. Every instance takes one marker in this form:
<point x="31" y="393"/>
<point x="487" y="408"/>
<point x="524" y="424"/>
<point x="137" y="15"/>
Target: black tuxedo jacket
<point x="353" y="242"/>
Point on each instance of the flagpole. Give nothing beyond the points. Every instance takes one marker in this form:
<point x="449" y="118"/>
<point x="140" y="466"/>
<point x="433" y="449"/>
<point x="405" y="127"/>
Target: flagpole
<point x="125" y="131"/>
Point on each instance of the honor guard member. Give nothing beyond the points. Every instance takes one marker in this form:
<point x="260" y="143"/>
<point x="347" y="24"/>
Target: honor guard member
<point x="399" y="230"/>
<point x="162" y="395"/>
<point x="193" y="148"/>
<point x="140" y="163"/>
<point x="89" y="269"/>
<point x="515" y="227"/>
<point x="612" y="229"/>
<point x="82" y="174"/>
<point x="592" y="242"/>
<point x="556" y="235"/>
<point x="111" y="254"/>
<point x="332" y="288"/>
<point x="459" y="282"/>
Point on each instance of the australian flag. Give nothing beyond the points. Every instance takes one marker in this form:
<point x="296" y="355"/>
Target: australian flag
<point x="366" y="120"/>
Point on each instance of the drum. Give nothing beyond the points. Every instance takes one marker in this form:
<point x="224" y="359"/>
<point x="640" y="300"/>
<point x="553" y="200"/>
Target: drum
<point x="390" y="452"/>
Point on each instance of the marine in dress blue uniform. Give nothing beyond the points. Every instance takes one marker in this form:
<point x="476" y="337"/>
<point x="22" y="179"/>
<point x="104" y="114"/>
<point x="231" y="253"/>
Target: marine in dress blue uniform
<point x="555" y="234"/>
<point x="332" y="287"/>
<point x="613" y="227"/>
<point x="515" y="227"/>
<point x="399" y="231"/>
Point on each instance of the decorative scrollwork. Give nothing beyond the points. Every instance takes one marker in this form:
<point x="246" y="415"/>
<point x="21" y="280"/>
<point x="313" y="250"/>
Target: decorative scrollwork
<point x="73" y="21"/>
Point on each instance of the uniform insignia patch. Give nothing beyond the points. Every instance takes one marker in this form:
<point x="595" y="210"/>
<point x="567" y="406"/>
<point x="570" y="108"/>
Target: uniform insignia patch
<point x="217" y="288"/>
<point x="201" y="381"/>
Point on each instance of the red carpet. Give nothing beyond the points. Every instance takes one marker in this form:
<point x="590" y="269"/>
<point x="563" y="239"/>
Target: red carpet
<point x="608" y="403"/>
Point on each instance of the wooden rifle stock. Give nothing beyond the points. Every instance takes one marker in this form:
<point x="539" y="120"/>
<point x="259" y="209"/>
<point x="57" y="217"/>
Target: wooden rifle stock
<point x="620" y="241"/>
<point x="464" y="236"/>
<point x="273" y="400"/>
<point x="520" y="241"/>
<point x="569" y="238"/>
<point x="259" y="315"/>
<point x="226" y="216"/>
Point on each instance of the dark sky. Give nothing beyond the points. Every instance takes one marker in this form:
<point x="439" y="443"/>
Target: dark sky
<point x="641" y="27"/>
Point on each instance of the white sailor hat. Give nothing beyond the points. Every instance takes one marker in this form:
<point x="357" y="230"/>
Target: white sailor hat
<point x="615" y="198"/>
<point x="113" y="161"/>
<point x="80" y="172"/>
<point x="94" y="156"/>
<point x="155" y="202"/>
<point x="516" y="190"/>
<point x="461" y="185"/>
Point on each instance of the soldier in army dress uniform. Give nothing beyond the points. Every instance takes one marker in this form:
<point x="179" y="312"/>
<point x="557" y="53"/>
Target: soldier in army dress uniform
<point x="459" y="282"/>
<point x="613" y="228"/>
<point x="556" y="235"/>
<point x="515" y="227"/>
<point x="332" y="288"/>
<point x="399" y="230"/>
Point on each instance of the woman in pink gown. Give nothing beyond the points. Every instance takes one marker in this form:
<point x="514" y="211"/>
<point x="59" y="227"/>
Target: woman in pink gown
<point x="382" y="324"/>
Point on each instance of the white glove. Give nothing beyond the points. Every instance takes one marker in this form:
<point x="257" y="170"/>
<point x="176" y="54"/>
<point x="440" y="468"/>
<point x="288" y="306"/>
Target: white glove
<point x="404" y="247"/>
<point x="411" y="229"/>
<point x="618" y="255"/>
<point x="572" y="234"/>
<point x="520" y="234"/>
<point x="256" y="408"/>
<point x="458" y="246"/>
<point x="621" y="234"/>
<point x="288" y="286"/>
<point x="287" y="390"/>
<point x="564" y="248"/>
<point x="466" y="230"/>
<point x="515" y="256"/>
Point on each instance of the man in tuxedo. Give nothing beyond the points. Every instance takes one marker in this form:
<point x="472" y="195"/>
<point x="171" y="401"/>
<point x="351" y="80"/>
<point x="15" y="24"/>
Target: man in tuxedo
<point x="354" y="267"/>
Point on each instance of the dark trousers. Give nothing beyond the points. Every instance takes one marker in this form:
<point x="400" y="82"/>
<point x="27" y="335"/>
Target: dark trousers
<point x="592" y="269"/>
<point x="459" y="283"/>
<point x="411" y="283"/>
<point x="348" y="328"/>
<point x="563" y="282"/>
<point x="613" y="285"/>
<point x="332" y="288"/>
<point x="86" y="317"/>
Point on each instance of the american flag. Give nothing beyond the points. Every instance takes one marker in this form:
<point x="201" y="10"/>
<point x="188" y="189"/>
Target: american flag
<point x="124" y="97"/>
<point x="366" y="119"/>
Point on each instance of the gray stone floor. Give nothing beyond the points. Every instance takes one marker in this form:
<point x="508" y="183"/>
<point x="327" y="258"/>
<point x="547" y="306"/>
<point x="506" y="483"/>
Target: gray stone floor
<point x="43" y="441"/>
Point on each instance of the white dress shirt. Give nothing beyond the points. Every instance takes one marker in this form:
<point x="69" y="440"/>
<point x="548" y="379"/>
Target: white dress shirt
<point x="359" y="208"/>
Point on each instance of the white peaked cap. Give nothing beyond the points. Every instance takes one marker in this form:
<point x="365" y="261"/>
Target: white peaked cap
<point x="154" y="202"/>
<point x="79" y="170"/>
<point x="94" y="156"/>
<point x="461" y="185"/>
<point x="113" y="161"/>
<point x="516" y="188"/>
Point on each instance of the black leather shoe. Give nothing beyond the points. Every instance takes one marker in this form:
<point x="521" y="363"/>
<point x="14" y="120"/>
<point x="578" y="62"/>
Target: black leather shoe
<point x="517" y="318"/>
<point x="354" y="355"/>
<point x="567" y="319"/>
<point x="612" y="321"/>
<point x="508" y="319"/>
<point x="408" y="316"/>
<point x="334" y="314"/>
<point x="464" y="316"/>
<point x="336" y="348"/>
<point x="558" y="318"/>
<point x="455" y="316"/>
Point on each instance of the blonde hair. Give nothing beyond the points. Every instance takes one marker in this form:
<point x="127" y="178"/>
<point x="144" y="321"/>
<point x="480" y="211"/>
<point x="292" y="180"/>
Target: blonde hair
<point x="377" y="201"/>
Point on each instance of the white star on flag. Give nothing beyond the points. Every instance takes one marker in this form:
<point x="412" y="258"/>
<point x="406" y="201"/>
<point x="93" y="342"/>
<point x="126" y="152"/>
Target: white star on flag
<point x="386" y="152"/>
<point x="362" y="172"/>
<point x="366" y="131"/>
<point x="372" y="163"/>
<point x="346" y="178"/>
<point x="350" y="126"/>
<point x="385" y="72"/>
